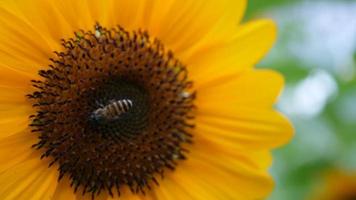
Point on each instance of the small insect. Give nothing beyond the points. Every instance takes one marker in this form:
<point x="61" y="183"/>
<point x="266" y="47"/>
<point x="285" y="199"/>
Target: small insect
<point x="98" y="30"/>
<point x="112" y="111"/>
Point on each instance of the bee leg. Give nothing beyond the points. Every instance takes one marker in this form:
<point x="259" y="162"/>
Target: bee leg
<point x="99" y="104"/>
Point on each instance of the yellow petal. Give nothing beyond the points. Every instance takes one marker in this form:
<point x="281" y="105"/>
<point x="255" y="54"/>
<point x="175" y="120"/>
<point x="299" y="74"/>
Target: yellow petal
<point x="180" y="25"/>
<point x="13" y="114"/>
<point x="21" y="46"/>
<point x="13" y="95"/>
<point x="245" y="128"/>
<point x="252" y="88"/>
<point x="15" y="109"/>
<point x="130" y="197"/>
<point x="126" y="194"/>
<point x="13" y="125"/>
<point x="184" y="24"/>
<point x="205" y="176"/>
<point x="41" y="16"/>
<point x="263" y="159"/>
<point x="9" y="77"/>
<point x="30" y="180"/>
<point x="245" y="177"/>
<point x="16" y="148"/>
<point x="128" y="14"/>
<point x="247" y="46"/>
<point x="88" y="196"/>
<point x="168" y="187"/>
<point x="236" y="179"/>
<point x="20" y="106"/>
<point x="237" y="111"/>
<point x="257" y="159"/>
<point x="64" y="191"/>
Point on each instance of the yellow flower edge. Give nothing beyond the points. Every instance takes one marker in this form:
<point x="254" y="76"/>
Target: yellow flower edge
<point x="236" y="124"/>
<point x="336" y="185"/>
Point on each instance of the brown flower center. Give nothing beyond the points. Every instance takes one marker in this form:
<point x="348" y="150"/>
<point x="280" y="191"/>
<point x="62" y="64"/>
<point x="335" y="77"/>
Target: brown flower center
<point x="113" y="109"/>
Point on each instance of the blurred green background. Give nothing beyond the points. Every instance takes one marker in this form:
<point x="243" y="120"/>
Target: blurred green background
<point x="316" y="52"/>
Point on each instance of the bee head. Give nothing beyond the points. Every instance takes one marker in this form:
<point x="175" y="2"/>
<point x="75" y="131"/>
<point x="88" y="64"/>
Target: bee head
<point x="97" y="116"/>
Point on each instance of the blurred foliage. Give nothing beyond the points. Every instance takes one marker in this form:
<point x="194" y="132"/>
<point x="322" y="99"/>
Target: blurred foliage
<point x="258" y="6"/>
<point x="325" y="140"/>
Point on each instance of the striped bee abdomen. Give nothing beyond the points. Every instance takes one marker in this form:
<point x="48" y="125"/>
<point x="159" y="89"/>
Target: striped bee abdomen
<point x="113" y="110"/>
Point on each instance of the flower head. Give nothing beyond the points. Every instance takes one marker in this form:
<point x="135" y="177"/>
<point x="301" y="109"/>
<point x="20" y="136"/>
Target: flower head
<point x="337" y="185"/>
<point x="136" y="99"/>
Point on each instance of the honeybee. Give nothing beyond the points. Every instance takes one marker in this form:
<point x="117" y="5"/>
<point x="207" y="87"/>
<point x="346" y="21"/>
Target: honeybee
<point x="112" y="111"/>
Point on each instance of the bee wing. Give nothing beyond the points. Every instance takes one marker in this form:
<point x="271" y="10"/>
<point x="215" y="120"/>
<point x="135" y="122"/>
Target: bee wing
<point x="99" y="104"/>
<point x="112" y="101"/>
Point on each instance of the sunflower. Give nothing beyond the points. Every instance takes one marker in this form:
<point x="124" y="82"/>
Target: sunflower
<point x="337" y="185"/>
<point x="136" y="100"/>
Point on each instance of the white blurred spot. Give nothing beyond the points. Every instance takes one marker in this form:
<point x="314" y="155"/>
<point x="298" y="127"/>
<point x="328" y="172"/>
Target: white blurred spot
<point x="320" y="34"/>
<point x="185" y="94"/>
<point x="309" y="97"/>
<point x="97" y="33"/>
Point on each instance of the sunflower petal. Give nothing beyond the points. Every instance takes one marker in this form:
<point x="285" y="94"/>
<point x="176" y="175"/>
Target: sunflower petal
<point x="173" y="22"/>
<point x="125" y="193"/>
<point x="88" y="196"/>
<point x="176" y="22"/>
<point x="12" y="126"/>
<point x="64" y="191"/>
<point x="16" y="148"/>
<point x="184" y="24"/>
<point x="168" y="187"/>
<point x="42" y="22"/>
<point x="14" y="109"/>
<point x="246" y="48"/>
<point x="10" y="77"/>
<point x="10" y="112"/>
<point x="252" y="88"/>
<point x="19" y="50"/>
<point x="257" y="159"/>
<point x="31" y="180"/>
<point x="13" y="95"/>
<point x="232" y="173"/>
<point x="249" y="128"/>
<point x="204" y="176"/>
<point x="132" y="197"/>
